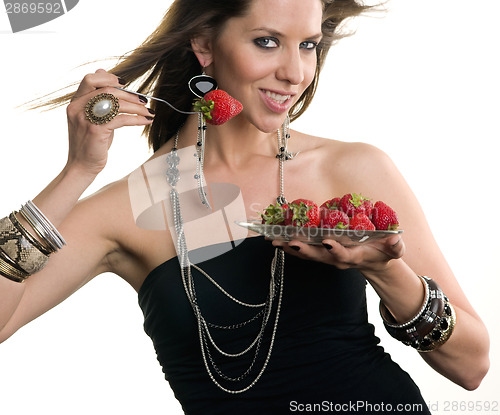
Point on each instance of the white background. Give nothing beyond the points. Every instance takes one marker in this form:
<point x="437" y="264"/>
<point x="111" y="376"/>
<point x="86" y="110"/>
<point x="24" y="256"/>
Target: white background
<point x="421" y="83"/>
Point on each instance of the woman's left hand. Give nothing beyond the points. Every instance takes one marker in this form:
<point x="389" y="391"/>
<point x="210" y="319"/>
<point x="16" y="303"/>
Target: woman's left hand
<point x="370" y="256"/>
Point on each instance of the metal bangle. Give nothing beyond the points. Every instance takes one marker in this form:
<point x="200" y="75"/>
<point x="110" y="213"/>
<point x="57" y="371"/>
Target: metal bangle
<point x="441" y="332"/>
<point x="414" y="334"/>
<point x="10" y="276"/>
<point x="432" y="326"/>
<point x="20" y="227"/>
<point x="11" y="264"/>
<point x="389" y="319"/>
<point x="40" y="231"/>
<point x="55" y="237"/>
<point x="19" y="251"/>
<point x="8" y="269"/>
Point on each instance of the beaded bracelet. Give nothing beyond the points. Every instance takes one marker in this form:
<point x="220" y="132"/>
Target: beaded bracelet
<point x="425" y="304"/>
<point x="432" y="325"/>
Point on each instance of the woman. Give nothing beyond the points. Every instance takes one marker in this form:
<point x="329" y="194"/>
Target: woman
<point x="267" y="64"/>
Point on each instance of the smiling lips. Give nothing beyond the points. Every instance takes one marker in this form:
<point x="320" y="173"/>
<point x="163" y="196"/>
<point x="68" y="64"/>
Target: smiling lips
<point x="277" y="102"/>
<point x="280" y="99"/>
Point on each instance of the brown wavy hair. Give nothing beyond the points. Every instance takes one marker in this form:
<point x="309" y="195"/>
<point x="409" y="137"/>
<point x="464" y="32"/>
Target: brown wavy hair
<point x="164" y="63"/>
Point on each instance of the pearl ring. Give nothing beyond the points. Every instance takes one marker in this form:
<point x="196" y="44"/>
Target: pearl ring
<point x="102" y="108"/>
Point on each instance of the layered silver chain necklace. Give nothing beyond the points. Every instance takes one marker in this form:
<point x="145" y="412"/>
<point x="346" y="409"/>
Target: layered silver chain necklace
<point x="207" y="342"/>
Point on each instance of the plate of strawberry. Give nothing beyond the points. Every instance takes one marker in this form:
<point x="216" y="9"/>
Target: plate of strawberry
<point x="350" y="220"/>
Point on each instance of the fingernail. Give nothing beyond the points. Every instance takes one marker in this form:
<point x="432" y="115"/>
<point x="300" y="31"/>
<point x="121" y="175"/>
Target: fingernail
<point x="143" y="99"/>
<point x="151" y="111"/>
<point x="295" y="248"/>
<point x="149" y="118"/>
<point x="327" y="246"/>
<point x="397" y="242"/>
<point x="122" y="81"/>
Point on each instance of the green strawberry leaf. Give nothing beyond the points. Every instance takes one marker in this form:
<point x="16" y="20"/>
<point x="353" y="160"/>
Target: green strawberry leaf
<point x="205" y="107"/>
<point x="356" y="199"/>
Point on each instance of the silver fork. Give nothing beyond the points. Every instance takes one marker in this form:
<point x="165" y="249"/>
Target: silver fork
<point x="156" y="99"/>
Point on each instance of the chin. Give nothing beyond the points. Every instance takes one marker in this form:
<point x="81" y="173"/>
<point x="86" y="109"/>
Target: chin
<point x="270" y="129"/>
<point x="269" y="125"/>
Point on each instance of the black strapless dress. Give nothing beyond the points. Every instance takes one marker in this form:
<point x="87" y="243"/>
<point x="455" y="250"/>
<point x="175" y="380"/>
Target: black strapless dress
<point x="325" y="358"/>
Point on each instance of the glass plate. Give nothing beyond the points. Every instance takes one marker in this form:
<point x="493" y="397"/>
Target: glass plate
<point x="315" y="236"/>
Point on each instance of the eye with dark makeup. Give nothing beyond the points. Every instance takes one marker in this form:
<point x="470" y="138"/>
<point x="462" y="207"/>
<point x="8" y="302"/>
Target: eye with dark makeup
<point x="309" y="45"/>
<point x="267" y="42"/>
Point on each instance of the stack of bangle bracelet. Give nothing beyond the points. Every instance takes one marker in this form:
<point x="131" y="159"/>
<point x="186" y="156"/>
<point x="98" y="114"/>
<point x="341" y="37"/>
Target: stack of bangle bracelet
<point x="21" y="253"/>
<point x="432" y="325"/>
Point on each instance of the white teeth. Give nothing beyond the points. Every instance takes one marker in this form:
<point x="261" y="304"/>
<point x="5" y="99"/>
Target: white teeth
<point x="280" y="99"/>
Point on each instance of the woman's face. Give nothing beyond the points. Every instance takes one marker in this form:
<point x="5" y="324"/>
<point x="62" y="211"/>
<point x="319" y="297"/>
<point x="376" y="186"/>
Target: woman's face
<point x="267" y="58"/>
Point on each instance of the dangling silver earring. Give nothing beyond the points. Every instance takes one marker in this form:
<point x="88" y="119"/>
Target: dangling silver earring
<point x="202" y="84"/>
<point x="200" y="154"/>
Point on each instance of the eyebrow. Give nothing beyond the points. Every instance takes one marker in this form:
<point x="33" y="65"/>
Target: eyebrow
<point x="278" y="34"/>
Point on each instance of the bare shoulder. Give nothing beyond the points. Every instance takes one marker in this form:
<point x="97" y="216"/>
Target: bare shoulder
<point x="354" y="166"/>
<point x="344" y="151"/>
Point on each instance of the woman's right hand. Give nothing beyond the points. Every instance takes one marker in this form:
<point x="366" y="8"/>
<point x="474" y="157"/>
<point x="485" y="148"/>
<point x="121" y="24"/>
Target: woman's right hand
<point x="89" y="143"/>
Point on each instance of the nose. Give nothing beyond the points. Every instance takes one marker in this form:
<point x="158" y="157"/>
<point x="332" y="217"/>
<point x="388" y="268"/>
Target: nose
<point x="291" y="67"/>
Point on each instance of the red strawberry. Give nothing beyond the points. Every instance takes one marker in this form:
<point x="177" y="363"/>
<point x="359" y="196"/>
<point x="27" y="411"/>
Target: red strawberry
<point x="218" y="107"/>
<point x="277" y="215"/>
<point x="384" y="217"/>
<point x="334" y="219"/>
<point x="367" y="207"/>
<point x="353" y="203"/>
<point x="305" y="213"/>
<point x="323" y="213"/>
<point x="331" y="204"/>
<point x="361" y="222"/>
<point x="287" y="215"/>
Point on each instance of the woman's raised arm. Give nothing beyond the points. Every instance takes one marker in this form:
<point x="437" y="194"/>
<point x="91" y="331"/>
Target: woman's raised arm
<point x="81" y="224"/>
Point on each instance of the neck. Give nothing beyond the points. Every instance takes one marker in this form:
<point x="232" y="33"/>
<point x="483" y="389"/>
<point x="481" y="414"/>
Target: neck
<point x="231" y="145"/>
